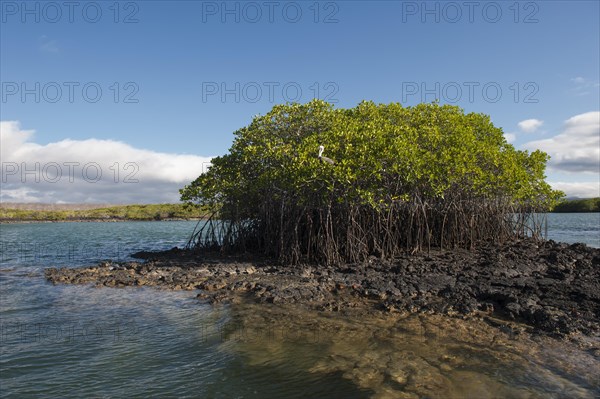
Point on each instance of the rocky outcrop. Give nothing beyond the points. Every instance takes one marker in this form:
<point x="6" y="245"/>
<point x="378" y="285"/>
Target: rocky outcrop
<point x="552" y="287"/>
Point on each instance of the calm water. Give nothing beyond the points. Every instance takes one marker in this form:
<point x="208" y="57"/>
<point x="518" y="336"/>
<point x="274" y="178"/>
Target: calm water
<point x="575" y="227"/>
<point x="79" y="341"/>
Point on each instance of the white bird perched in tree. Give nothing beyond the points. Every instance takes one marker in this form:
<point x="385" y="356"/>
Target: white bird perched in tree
<point x="322" y="158"/>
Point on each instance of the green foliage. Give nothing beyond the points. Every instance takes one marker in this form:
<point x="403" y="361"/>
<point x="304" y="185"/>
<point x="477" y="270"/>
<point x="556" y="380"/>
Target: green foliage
<point x="126" y="212"/>
<point x="579" y="205"/>
<point x="399" y="173"/>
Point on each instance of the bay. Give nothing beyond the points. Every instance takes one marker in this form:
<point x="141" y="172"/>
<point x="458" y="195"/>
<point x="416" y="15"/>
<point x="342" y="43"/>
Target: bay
<point x="81" y="341"/>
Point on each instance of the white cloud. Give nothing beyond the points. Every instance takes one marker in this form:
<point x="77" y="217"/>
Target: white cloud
<point x="530" y="125"/>
<point x="510" y="137"/>
<point x="577" y="147"/>
<point x="92" y="170"/>
<point x="583" y="86"/>
<point x="580" y="189"/>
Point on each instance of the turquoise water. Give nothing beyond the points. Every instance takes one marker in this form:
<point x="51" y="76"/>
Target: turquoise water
<point x="80" y="341"/>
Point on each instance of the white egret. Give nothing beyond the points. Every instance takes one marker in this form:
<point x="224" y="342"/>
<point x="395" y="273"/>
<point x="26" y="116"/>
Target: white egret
<point x="322" y="158"/>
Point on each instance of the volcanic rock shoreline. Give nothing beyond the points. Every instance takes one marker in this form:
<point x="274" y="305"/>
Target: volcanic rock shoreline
<point x="548" y="287"/>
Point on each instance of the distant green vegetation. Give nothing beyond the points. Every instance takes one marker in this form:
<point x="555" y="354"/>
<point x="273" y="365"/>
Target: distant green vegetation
<point x="578" y="205"/>
<point x="125" y="212"/>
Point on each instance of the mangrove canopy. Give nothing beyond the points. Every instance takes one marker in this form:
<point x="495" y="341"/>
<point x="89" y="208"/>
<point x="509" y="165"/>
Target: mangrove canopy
<point x="402" y="179"/>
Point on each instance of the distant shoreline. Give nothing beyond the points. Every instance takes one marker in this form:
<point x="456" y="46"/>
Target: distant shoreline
<point x="167" y="219"/>
<point x="16" y="221"/>
<point x="46" y="213"/>
<point x="584" y="205"/>
<point x="11" y="213"/>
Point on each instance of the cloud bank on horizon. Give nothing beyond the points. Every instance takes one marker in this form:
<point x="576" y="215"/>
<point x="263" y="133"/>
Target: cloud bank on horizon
<point x="108" y="171"/>
<point x="577" y="147"/>
<point x="90" y="171"/>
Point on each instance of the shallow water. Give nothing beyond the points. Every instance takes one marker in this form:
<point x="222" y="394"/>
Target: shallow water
<point x="417" y="356"/>
<point x="79" y="341"/>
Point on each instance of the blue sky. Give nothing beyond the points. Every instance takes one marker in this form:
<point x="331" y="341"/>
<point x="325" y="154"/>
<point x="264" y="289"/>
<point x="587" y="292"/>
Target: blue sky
<point x="178" y="78"/>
